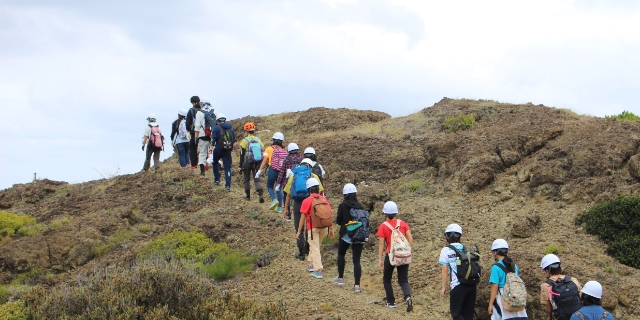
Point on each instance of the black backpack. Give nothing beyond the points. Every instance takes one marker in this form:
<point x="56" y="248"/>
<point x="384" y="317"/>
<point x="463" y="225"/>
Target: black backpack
<point x="317" y="170"/>
<point x="468" y="271"/>
<point x="225" y="139"/>
<point x="360" y="234"/>
<point x="568" y="299"/>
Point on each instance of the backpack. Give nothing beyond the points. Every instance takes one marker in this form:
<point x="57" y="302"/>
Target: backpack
<point x="320" y="213"/>
<point x="294" y="162"/>
<point x="514" y="293"/>
<point x="209" y="121"/>
<point x="468" y="265"/>
<point x="299" y="190"/>
<point x="277" y="158"/>
<point x="156" y="138"/>
<point x="566" y="299"/>
<point x="359" y="232"/>
<point x="225" y="139"/>
<point x="254" y="151"/>
<point x="317" y="170"/>
<point x="400" y="252"/>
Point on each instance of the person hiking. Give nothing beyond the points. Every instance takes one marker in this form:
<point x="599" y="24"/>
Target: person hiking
<point x="314" y="208"/>
<point x="291" y="161"/>
<point x="224" y="138"/>
<point x="203" y="134"/>
<point x="498" y="278"/>
<point x="384" y="233"/>
<point x="559" y="294"/>
<point x="251" y="148"/>
<point x="310" y="153"/>
<point x="592" y="304"/>
<point x="193" y="141"/>
<point x="273" y="156"/>
<point x="297" y="192"/>
<point x="462" y="298"/>
<point x="350" y="202"/>
<point x="181" y="138"/>
<point x="153" y="140"/>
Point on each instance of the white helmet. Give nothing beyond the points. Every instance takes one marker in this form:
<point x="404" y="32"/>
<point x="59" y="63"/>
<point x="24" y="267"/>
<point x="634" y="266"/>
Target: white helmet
<point x="349" y="188"/>
<point x="151" y="117"/>
<point x="182" y="112"/>
<point x="312" y="182"/>
<point x="593" y="288"/>
<point x="499" y="244"/>
<point x="309" y="150"/>
<point x="390" y="207"/>
<point x="205" y="100"/>
<point x="278" y="136"/>
<point x="307" y="161"/>
<point x="453" y="228"/>
<point x="222" y="116"/>
<point x="292" y="146"/>
<point x="549" y="260"/>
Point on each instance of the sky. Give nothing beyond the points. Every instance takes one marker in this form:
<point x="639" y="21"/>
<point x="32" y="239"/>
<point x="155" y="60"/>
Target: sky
<point x="79" y="78"/>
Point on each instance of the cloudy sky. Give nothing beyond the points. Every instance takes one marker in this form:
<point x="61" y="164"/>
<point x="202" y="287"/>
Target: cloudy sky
<point x="78" y="78"/>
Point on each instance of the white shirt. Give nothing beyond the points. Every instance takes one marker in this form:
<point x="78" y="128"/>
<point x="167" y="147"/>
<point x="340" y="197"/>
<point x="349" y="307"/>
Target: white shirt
<point x="448" y="256"/>
<point x="199" y="124"/>
<point x="147" y="129"/>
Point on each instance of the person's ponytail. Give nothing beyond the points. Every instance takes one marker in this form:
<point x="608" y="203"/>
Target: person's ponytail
<point x="508" y="262"/>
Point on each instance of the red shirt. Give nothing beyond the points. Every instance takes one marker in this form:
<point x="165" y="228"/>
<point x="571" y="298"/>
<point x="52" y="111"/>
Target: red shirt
<point x="385" y="233"/>
<point x="305" y="207"/>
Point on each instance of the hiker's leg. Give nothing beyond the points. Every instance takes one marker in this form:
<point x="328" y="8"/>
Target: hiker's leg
<point x="193" y="150"/>
<point x="156" y="158"/>
<point x="342" y="251"/>
<point x="469" y="303"/>
<point x="147" y="161"/>
<point x="403" y="280"/>
<point x="456" y="299"/>
<point x="203" y="151"/>
<point x="227" y="163"/>
<point x="314" y="249"/>
<point x="183" y="150"/>
<point x="356" y="250"/>
<point x="386" y="279"/>
<point x="296" y="222"/>
<point x="319" y="234"/>
<point x="271" y="181"/>
<point x="217" y="155"/>
<point x="247" y="176"/>
<point x="284" y="196"/>
<point x="257" y="181"/>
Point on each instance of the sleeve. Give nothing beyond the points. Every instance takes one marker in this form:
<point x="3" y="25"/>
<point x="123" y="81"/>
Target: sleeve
<point x="287" y="187"/>
<point x="242" y="155"/>
<point x="339" y="219"/>
<point x="322" y="169"/>
<point x="174" y="129"/>
<point x="233" y="136"/>
<point x="306" y="206"/>
<point x="444" y="256"/>
<point x="494" y="278"/>
<point x="286" y="163"/>
<point x="190" y="119"/>
<point x="517" y="271"/>
<point x="321" y="187"/>
<point x="147" y="131"/>
<point x="574" y="316"/>
<point x="380" y="233"/>
<point x="214" y="135"/>
<point x="577" y="284"/>
<point x="182" y="129"/>
<point x="544" y="294"/>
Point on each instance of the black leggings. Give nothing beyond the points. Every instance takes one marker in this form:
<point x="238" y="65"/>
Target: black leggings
<point x="403" y="279"/>
<point x="356" y="250"/>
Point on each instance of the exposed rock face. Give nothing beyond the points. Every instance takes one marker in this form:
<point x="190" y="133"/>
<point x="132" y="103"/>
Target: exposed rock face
<point x="524" y="226"/>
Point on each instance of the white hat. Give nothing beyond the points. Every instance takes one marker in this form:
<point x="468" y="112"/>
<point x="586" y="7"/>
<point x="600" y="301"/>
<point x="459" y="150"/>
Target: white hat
<point x="278" y="136"/>
<point x="593" y="288"/>
<point x="309" y="150"/>
<point x="307" y="161"/>
<point x="499" y="244"/>
<point x="453" y="228"/>
<point x="292" y="146"/>
<point x="182" y="112"/>
<point x="390" y="207"/>
<point x="221" y="116"/>
<point x="549" y="260"/>
<point x="151" y="117"/>
<point x="312" y="182"/>
<point x="205" y="100"/>
<point x="349" y="188"/>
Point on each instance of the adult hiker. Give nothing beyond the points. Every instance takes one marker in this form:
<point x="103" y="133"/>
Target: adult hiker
<point x="273" y="156"/>
<point x="251" y="148"/>
<point x="350" y="213"/>
<point x="223" y="137"/>
<point x="291" y="161"/>
<point x="310" y="153"/>
<point x="154" y="141"/>
<point x="317" y="214"/>
<point x="296" y="190"/>
<point x="592" y="304"/>
<point x="181" y="138"/>
<point x="462" y="298"/>
<point x="203" y="127"/>
<point x="190" y="123"/>
<point x="392" y="227"/>
<point x="498" y="278"/>
<point x="559" y="294"/>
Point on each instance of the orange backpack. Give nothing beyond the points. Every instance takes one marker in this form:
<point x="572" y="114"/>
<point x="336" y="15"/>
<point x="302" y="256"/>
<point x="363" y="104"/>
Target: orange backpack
<point x="320" y="212"/>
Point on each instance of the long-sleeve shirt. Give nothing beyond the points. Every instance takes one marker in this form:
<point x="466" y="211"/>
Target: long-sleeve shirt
<point x="181" y="136"/>
<point x="288" y="163"/>
<point x="191" y="118"/>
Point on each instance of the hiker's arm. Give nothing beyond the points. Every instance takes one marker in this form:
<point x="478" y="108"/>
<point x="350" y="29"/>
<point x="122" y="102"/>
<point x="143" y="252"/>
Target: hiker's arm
<point x="242" y="152"/>
<point x="494" y="292"/>
<point x="381" y="252"/>
<point x="287" y="200"/>
<point x="144" y="140"/>
<point x="409" y="237"/>
<point x="444" y="274"/>
<point x="548" y="307"/>
<point x="264" y="162"/>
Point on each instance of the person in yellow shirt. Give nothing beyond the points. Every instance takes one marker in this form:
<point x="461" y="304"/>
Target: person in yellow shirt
<point x="251" y="149"/>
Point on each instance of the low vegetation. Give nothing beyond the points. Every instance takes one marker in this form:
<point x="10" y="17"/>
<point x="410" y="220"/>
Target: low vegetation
<point x="119" y="238"/>
<point x="12" y="224"/>
<point x="185" y="245"/>
<point x="617" y="222"/>
<point x="228" y="265"/>
<point x="459" y="122"/>
<point x="625" y="115"/>
<point x="555" y="249"/>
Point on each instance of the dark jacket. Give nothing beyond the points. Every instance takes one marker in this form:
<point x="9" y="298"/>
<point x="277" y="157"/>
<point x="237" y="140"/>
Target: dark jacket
<point x="174" y="128"/>
<point x="216" y="134"/>
<point x="191" y="117"/>
<point x="344" y="214"/>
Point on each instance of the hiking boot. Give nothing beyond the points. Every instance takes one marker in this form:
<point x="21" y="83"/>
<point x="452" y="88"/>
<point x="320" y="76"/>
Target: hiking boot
<point x="338" y="281"/>
<point x="274" y="204"/>
<point x="310" y="267"/>
<point x="317" y="274"/>
<point x="279" y="209"/>
<point x="409" y="303"/>
<point x="357" y="289"/>
<point x="217" y="183"/>
<point x="261" y="199"/>
<point x="228" y="189"/>
<point x="300" y="256"/>
<point x="247" y="195"/>
<point x="390" y="304"/>
<point x="287" y="218"/>
<point x="260" y="195"/>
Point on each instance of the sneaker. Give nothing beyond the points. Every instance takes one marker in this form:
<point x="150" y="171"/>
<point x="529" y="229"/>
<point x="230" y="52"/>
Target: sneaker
<point x="193" y="167"/>
<point x="274" y="204"/>
<point x="338" y="281"/>
<point x="409" y="303"/>
<point x="246" y="198"/>
<point x="356" y="289"/>
<point x="287" y="218"/>
<point x="261" y="200"/>
<point x="279" y="209"/>
<point x="317" y="274"/>
<point x="390" y="304"/>
<point x="299" y="256"/>
<point x="201" y="174"/>
<point x="228" y="189"/>
<point x="217" y="183"/>
<point x="310" y="267"/>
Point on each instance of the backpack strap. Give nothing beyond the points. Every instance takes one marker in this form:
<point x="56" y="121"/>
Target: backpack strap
<point x="389" y="225"/>
<point x="398" y="224"/>
<point x="581" y="316"/>
<point x="499" y="265"/>
<point x="604" y="315"/>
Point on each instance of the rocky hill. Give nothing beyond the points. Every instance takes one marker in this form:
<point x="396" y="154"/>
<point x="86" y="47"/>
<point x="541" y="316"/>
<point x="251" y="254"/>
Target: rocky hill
<point x="522" y="173"/>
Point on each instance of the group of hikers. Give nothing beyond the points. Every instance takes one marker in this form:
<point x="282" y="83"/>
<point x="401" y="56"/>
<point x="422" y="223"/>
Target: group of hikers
<point x="202" y="137"/>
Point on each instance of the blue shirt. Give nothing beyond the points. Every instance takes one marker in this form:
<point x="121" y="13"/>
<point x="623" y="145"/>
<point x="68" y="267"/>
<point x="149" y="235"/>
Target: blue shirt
<point x="592" y="312"/>
<point x="498" y="276"/>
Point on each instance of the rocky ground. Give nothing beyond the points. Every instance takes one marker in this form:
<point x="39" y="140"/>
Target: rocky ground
<point x="522" y="173"/>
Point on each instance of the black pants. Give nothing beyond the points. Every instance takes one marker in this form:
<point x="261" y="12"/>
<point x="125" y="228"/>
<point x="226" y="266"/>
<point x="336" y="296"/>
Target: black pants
<point x="403" y="279"/>
<point x="193" y="150"/>
<point x="301" y="243"/>
<point x="250" y="173"/>
<point x="356" y="250"/>
<point x="462" y="302"/>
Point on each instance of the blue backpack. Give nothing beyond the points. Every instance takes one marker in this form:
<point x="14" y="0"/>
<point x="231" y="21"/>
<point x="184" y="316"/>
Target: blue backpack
<point x="299" y="190"/>
<point x="209" y="121"/>
<point x="359" y="232"/>
<point x="254" y="151"/>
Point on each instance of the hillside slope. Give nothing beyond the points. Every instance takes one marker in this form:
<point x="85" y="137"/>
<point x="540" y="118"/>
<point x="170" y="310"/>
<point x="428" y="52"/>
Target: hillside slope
<point x="521" y="173"/>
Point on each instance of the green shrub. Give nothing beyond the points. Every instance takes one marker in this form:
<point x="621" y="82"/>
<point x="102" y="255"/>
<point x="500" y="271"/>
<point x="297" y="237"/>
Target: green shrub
<point x="144" y="228"/>
<point x="459" y="122"/>
<point x="196" y="199"/>
<point x="148" y="289"/>
<point x="4" y="294"/>
<point x="10" y="223"/>
<point x="60" y="222"/>
<point x="15" y="310"/>
<point x="193" y="245"/>
<point x="228" y="266"/>
<point x="553" y="249"/>
<point x="625" y="115"/>
<point x="617" y="222"/>
<point x="30" y="230"/>
<point x="119" y="238"/>
<point x="329" y="241"/>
